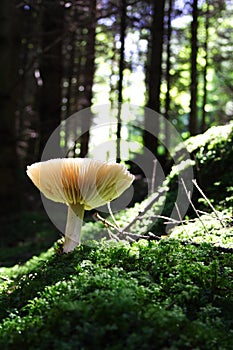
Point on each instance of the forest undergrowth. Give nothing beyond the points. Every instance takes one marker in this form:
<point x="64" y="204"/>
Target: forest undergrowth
<point x="160" y="290"/>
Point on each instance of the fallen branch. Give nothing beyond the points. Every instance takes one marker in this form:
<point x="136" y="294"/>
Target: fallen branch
<point x="128" y="235"/>
<point x="192" y="205"/>
<point x="141" y="213"/>
<point x="208" y="201"/>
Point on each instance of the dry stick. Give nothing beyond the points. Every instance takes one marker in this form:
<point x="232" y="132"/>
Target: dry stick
<point x="178" y="212"/>
<point x="204" y="212"/>
<point x="172" y="221"/>
<point x="150" y="202"/>
<point x="190" y="201"/>
<point x="154" y="237"/>
<point x="208" y="201"/>
<point x="180" y="218"/>
<point x="108" y="224"/>
<point x="227" y="219"/>
<point x="111" y="214"/>
<point x="112" y="235"/>
<point x="104" y="221"/>
<point x="162" y="217"/>
<point x="155" y="162"/>
<point x="153" y="176"/>
<point x="141" y="213"/>
<point x="211" y="216"/>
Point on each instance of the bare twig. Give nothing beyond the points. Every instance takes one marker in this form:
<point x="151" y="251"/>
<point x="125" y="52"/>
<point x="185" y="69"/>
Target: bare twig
<point x="208" y="201"/>
<point x="105" y="222"/>
<point x="190" y="201"/>
<point x="155" y="162"/>
<point x="174" y="221"/>
<point x="128" y="235"/>
<point x="151" y="201"/>
<point x="111" y="213"/>
<point x="181" y="221"/>
<point x="178" y="212"/>
<point x="113" y="235"/>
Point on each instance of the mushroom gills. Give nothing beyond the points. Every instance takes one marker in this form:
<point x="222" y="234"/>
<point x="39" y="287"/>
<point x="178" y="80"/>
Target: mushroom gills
<point x="73" y="227"/>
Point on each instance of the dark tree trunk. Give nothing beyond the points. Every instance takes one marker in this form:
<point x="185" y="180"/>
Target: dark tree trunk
<point x="50" y="70"/>
<point x="168" y="75"/>
<point x="123" y="7"/>
<point x="9" y="48"/>
<point x="194" y="80"/>
<point x="154" y="74"/>
<point x="203" y="121"/>
<point x="89" y="71"/>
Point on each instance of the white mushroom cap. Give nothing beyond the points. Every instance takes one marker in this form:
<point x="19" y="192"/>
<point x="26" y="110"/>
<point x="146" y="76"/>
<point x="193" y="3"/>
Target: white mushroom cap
<point x="89" y="182"/>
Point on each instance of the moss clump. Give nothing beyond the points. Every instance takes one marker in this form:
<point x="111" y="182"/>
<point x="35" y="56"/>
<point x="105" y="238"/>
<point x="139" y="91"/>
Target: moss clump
<point x="146" y="295"/>
<point x="173" y="294"/>
<point x="212" y="153"/>
<point x="211" y="157"/>
<point x="207" y="228"/>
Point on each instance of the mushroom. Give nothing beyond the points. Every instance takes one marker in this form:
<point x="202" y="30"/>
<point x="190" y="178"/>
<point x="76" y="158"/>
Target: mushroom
<point x="81" y="183"/>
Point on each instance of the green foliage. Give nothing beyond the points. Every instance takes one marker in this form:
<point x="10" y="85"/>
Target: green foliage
<point x="112" y="296"/>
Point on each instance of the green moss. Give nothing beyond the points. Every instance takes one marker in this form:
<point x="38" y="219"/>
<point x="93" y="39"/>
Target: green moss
<point x="172" y="294"/>
<point x="207" y="228"/>
<point x="112" y="296"/>
<point x="211" y="157"/>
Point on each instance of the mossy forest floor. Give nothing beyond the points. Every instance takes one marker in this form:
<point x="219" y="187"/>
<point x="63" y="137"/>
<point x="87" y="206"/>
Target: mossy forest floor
<point x="175" y="293"/>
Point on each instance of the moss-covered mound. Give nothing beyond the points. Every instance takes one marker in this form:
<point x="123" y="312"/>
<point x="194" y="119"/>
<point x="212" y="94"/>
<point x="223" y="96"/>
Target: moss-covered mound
<point x="147" y="295"/>
<point x="213" y="155"/>
<point x="210" y="157"/>
<point x="171" y="294"/>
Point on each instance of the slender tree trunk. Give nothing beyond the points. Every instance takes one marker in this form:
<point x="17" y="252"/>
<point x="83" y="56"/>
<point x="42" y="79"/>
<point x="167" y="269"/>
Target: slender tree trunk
<point x="194" y="80"/>
<point x="154" y="75"/>
<point x="89" y="71"/>
<point x="9" y="48"/>
<point x="168" y="75"/>
<point x="203" y="121"/>
<point x="123" y="7"/>
<point x="50" y="70"/>
<point x="27" y="117"/>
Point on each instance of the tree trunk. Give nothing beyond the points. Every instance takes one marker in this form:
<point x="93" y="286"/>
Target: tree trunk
<point x="50" y="70"/>
<point x="203" y="121"/>
<point x="154" y="75"/>
<point x="89" y="70"/>
<point x="123" y="6"/>
<point x="9" y="48"/>
<point x="168" y="75"/>
<point x="194" y="80"/>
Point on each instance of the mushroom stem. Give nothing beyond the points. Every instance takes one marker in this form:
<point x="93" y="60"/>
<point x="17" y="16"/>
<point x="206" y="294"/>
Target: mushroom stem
<point x="73" y="227"/>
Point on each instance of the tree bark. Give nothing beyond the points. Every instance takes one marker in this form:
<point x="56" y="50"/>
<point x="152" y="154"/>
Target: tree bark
<point x="154" y="74"/>
<point x="50" y="70"/>
<point x="194" y="80"/>
<point x="168" y="75"/>
<point x="9" y="48"/>
<point x="89" y="71"/>
<point x="203" y="121"/>
<point x="123" y="6"/>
